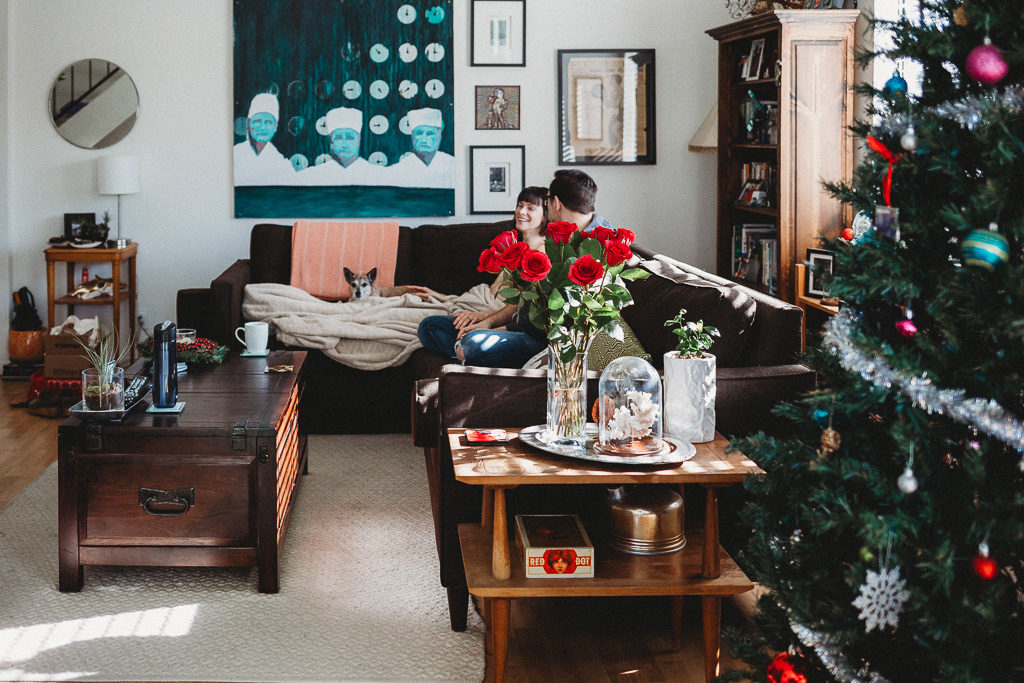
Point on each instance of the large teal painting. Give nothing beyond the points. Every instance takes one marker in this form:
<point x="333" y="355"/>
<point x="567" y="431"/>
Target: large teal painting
<point x="343" y="108"/>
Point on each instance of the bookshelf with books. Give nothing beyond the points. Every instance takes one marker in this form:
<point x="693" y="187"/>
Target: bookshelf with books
<point x="785" y="103"/>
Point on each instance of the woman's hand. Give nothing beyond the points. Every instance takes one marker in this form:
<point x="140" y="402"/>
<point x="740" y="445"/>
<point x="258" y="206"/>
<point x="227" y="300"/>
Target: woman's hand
<point x="467" y="318"/>
<point x="422" y="292"/>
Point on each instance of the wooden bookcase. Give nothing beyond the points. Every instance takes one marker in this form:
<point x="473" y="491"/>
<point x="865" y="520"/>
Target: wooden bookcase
<point x="807" y="69"/>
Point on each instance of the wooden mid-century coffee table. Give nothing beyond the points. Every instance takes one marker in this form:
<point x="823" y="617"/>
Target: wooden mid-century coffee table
<point x="212" y="486"/>
<point x="702" y="568"/>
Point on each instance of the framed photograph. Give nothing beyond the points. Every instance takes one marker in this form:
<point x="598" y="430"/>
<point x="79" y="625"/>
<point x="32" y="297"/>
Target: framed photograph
<point x="754" y="59"/>
<point x="74" y="222"/>
<point x="495" y="177"/>
<point x="499" y="33"/>
<point x="819" y="262"/>
<point x="497" y="107"/>
<point x="606" y="107"/>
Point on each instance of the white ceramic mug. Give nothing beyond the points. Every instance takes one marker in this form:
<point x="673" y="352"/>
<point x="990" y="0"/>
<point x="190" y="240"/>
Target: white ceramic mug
<point x="256" y="334"/>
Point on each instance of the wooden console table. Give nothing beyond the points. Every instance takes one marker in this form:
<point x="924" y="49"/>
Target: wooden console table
<point x="115" y="257"/>
<point x="702" y="568"/>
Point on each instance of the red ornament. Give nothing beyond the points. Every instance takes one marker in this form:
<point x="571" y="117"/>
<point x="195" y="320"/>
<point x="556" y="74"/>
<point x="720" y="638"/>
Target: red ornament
<point x="787" y="668"/>
<point x="907" y="328"/>
<point x="848" y="234"/>
<point x="985" y="63"/>
<point x="984" y="566"/>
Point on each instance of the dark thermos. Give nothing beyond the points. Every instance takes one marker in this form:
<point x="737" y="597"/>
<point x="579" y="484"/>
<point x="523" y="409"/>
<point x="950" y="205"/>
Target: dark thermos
<point x="165" y="365"/>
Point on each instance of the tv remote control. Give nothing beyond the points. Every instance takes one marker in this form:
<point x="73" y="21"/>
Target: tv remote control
<point x="136" y="390"/>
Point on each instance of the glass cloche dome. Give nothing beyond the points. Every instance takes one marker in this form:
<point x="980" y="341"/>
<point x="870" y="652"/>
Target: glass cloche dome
<point x="629" y="408"/>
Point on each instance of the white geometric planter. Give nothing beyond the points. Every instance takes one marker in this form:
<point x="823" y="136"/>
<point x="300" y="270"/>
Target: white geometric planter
<point x="690" y="397"/>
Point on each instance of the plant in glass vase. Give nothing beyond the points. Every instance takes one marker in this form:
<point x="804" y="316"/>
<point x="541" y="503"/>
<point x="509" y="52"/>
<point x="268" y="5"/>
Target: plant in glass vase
<point x="572" y="290"/>
<point x="103" y="383"/>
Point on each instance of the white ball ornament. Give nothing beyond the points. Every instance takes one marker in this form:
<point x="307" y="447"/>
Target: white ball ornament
<point x="907" y="481"/>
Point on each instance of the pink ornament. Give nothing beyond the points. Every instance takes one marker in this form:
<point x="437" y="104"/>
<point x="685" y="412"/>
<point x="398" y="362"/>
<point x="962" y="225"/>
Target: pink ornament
<point x="907" y="328"/>
<point x="985" y="63"/>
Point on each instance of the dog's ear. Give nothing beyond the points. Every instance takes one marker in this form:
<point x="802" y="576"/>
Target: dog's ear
<point x="349" y="275"/>
<point x="372" y="275"/>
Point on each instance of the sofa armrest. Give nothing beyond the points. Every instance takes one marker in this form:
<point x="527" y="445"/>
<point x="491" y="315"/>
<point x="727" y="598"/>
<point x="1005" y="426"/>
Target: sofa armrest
<point x="194" y="308"/>
<point x="424" y="413"/>
<point x="226" y="293"/>
<point x="745" y="396"/>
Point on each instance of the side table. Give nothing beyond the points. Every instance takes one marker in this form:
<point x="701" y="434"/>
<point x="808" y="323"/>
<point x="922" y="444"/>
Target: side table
<point x="701" y="568"/>
<point x="115" y="257"/>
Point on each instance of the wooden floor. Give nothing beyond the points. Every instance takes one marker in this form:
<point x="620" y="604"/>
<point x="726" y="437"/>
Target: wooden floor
<point x="557" y="640"/>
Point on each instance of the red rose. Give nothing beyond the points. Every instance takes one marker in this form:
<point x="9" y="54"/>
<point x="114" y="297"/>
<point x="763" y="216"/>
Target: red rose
<point x="561" y="231"/>
<point x="513" y="255"/>
<point x="586" y="270"/>
<point x="504" y="240"/>
<point x="490" y="261"/>
<point x="602" y="234"/>
<point x="625" y="236"/>
<point x="616" y="252"/>
<point x="536" y="265"/>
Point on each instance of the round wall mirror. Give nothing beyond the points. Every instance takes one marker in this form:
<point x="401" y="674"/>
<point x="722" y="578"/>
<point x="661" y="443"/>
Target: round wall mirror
<point x="93" y="103"/>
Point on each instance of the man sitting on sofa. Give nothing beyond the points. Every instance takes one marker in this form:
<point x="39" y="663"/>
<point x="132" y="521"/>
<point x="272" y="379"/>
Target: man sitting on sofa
<point x="571" y="196"/>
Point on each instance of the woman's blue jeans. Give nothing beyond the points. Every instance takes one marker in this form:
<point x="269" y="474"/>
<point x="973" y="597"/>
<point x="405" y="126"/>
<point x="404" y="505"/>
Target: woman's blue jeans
<point x="488" y="348"/>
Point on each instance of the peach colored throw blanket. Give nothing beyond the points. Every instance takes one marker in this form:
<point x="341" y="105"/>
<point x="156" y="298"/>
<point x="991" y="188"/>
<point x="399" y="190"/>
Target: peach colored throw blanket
<point x="320" y="249"/>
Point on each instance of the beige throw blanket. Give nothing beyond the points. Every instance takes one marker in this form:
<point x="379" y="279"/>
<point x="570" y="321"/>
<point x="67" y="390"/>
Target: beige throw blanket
<point x="368" y="334"/>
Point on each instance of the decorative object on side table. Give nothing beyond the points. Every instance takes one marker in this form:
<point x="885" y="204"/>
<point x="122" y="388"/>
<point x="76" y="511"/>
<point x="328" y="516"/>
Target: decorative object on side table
<point x="629" y="408"/>
<point x="572" y="290"/>
<point x="199" y="353"/>
<point x="118" y="175"/>
<point x="645" y="520"/>
<point x="690" y="381"/>
<point x="103" y="383"/>
<point x="554" y="546"/>
<point x="819" y="262"/>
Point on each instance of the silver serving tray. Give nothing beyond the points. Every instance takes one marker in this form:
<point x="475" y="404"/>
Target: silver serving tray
<point x="679" y="451"/>
<point x="82" y="413"/>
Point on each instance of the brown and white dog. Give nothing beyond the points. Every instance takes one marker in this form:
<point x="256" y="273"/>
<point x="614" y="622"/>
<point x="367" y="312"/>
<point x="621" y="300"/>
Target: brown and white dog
<point x="362" y="285"/>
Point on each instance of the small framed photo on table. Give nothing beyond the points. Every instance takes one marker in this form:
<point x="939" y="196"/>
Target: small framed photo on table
<point x="497" y="107"/>
<point x="819" y="262"/>
<point x="498" y="33"/>
<point x="74" y="222"/>
<point x="495" y="177"/>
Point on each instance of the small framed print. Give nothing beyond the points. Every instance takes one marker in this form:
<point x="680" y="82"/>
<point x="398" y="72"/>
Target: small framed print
<point x="754" y="60"/>
<point x="819" y="262"/>
<point x="497" y="107"/>
<point x="498" y="33"/>
<point x="495" y="177"/>
<point x="887" y="222"/>
<point x="74" y="222"/>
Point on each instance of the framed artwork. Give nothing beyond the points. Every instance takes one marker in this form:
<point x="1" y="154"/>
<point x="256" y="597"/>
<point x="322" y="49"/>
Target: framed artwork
<point x="819" y="262"/>
<point x="74" y="222"/>
<point x="497" y="107"/>
<point x="352" y="120"/>
<point x="606" y="107"/>
<point x="753" y="66"/>
<point x="498" y="33"/>
<point x="495" y="177"/>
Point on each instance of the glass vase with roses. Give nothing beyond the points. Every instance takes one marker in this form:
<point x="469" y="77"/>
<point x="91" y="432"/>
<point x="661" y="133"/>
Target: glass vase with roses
<point x="572" y="290"/>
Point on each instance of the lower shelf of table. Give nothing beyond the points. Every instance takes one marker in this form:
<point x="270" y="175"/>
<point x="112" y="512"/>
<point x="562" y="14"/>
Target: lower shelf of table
<point x="615" y="573"/>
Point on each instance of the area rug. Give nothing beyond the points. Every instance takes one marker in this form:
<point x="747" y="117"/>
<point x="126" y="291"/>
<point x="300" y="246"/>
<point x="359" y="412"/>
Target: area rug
<point x="360" y="598"/>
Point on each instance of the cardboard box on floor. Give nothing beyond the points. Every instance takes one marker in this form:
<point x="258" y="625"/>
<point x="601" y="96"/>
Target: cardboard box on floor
<point x="63" y="357"/>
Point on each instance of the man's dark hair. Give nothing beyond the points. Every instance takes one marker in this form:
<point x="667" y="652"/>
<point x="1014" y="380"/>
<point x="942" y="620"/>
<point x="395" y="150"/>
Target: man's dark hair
<point x="575" y="189"/>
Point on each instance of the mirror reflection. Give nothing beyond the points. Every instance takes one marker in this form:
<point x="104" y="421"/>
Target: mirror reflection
<point x="93" y="103"/>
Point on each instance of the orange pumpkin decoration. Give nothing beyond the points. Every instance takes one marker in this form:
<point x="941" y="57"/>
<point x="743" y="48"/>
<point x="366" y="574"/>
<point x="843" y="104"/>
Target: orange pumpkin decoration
<point x="25" y="346"/>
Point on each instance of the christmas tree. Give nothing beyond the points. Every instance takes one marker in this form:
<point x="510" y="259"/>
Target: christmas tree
<point x="890" y="525"/>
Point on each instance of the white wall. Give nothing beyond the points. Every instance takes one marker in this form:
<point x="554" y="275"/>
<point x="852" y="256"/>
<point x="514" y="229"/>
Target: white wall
<point x="179" y="54"/>
<point x="5" y="124"/>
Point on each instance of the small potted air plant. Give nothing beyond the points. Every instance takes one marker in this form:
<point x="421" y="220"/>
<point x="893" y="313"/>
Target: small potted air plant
<point x="690" y="381"/>
<point x="103" y="383"/>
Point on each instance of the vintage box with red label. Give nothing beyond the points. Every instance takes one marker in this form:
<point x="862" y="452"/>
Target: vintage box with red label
<point x="554" y="546"/>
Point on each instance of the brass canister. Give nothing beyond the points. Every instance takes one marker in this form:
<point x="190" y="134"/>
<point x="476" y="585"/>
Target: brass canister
<point x="646" y="520"/>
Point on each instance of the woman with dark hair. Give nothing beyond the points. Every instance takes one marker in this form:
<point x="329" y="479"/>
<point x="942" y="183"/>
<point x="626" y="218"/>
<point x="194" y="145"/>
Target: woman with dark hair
<point x="492" y="338"/>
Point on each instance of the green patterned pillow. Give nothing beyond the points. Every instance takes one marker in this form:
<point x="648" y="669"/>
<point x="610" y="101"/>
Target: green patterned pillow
<point x="606" y="348"/>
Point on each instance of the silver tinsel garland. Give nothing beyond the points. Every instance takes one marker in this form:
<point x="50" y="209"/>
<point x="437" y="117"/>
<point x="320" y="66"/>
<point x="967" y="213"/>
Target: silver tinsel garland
<point x="986" y="416"/>
<point x="967" y="113"/>
<point x="826" y="646"/>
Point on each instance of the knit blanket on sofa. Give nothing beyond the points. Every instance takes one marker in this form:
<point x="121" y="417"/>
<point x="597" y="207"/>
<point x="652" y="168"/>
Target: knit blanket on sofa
<point x="368" y="334"/>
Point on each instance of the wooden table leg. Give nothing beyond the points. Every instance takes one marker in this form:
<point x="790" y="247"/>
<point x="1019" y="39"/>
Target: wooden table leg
<point x="69" y="572"/>
<point x="677" y="622"/>
<point x="498" y="611"/>
<point x="501" y="564"/>
<point x="711" y="612"/>
<point x="70" y="281"/>
<point x="487" y="510"/>
<point x="710" y="565"/>
<point x="50" y="294"/>
<point x="116" y="277"/>
<point x="132" y="302"/>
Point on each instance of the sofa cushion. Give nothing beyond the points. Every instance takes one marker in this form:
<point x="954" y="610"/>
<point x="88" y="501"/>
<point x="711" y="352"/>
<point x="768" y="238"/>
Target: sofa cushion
<point x="606" y="348"/>
<point x="446" y="256"/>
<point x="670" y="288"/>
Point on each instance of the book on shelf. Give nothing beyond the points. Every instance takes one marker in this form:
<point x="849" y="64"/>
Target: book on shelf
<point x="760" y="120"/>
<point x="758" y="183"/>
<point x="748" y="258"/>
<point x="770" y="264"/>
<point x="554" y="546"/>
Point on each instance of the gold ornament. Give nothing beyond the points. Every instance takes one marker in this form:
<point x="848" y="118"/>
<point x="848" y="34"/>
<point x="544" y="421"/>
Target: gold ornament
<point x="829" y="441"/>
<point x="960" y="15"/>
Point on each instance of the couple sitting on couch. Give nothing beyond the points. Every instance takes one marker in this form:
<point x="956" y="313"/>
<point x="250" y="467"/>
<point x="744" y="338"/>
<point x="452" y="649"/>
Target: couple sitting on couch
<point x="500" y="338"/>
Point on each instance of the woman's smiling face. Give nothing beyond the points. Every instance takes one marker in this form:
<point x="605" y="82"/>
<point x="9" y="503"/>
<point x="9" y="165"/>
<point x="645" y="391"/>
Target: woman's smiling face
<point x="528" y="215"/>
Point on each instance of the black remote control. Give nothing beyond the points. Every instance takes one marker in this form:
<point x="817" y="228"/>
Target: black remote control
<point x="136" y="390"/>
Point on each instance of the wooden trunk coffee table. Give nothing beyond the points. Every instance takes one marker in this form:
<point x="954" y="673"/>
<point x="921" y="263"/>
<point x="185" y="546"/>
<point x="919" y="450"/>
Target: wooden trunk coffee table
<point x="702" y="568"/>
<point x="211" y="486"/>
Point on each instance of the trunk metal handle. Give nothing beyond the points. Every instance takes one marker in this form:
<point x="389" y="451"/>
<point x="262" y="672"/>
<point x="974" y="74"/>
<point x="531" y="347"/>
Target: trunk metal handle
<point x="180" y="501"/>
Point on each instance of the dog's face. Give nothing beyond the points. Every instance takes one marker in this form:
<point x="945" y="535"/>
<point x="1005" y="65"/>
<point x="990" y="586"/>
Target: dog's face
<point x="361" y="284"/>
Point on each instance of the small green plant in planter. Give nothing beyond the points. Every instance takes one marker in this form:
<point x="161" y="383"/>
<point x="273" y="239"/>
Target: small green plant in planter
<point x="690" y="381"/>
<point x="103" y="383"/>
<point x="694" y="338"/>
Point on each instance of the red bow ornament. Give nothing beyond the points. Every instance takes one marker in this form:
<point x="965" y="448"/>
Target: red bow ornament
<point x="882" y="150"/>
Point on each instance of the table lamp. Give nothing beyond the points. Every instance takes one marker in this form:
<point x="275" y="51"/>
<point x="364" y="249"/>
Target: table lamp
<point x="118" y="175"/>
<point x="706" y="137"/>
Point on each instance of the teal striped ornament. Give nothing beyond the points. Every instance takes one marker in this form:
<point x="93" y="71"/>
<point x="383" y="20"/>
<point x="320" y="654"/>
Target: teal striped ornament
<point x="985" y="249"/>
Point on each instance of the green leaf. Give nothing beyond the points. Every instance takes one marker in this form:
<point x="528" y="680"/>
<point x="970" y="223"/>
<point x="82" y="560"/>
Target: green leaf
<point x="634" y="274"/>
<point x="593" y="247"/>
<point x="567" y="353"/>
<point x="508" y="293"/>
<point x="530" y="296"/>
<point x="590" y="302"/>
<point x="555" y="301"/>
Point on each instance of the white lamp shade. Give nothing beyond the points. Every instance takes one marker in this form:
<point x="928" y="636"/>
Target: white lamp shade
<point x="118" y="175"/>
<point x="706" y="137"/>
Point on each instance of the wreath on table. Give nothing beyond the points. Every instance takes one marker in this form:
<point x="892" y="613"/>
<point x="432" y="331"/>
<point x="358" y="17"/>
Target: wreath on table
<point x="201" y="353"/>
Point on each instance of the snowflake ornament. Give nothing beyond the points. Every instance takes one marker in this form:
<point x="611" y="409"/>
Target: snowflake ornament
<point x="881" y="598"/>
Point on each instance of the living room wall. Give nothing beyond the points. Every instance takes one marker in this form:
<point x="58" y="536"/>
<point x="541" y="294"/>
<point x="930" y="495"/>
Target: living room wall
<point x="180" y="53"/>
